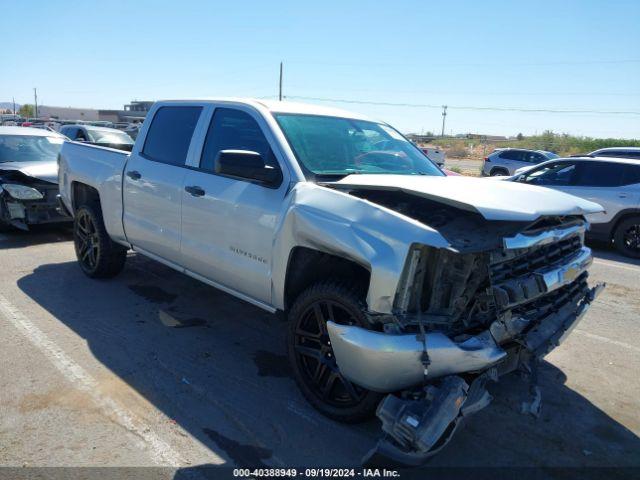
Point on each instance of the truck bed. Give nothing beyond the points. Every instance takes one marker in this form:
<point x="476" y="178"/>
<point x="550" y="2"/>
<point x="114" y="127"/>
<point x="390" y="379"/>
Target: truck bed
<point x="98" y="167"/>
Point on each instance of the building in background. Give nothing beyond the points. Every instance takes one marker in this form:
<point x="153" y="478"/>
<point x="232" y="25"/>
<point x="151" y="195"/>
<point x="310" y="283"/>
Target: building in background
<point x="135" y="111"/>
<point x="68" y="113"/>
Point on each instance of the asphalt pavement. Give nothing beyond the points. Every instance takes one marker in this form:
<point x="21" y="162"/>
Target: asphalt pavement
<point x="154" y="368"/>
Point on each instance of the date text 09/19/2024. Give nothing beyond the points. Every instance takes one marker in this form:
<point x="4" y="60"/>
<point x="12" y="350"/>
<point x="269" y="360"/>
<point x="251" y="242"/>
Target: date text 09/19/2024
<point x="315" y="472"/>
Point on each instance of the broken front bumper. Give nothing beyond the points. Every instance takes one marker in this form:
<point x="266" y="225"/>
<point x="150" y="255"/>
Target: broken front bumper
<point x="22" y="213"/>
<point x="387" y="363"/>
<point x="418" y="425"/>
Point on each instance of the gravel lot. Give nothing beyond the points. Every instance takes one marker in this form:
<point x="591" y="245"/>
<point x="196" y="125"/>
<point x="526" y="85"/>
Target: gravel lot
<point x="154" y="368"/>
<point x="466" y="166"/>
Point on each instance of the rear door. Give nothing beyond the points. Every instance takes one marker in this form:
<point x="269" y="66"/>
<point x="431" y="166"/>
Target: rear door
<point x="153" y="182"/>
<point x="228" y="224"/>
<point x="512" y="159"/>
<point x="611" y="184"/>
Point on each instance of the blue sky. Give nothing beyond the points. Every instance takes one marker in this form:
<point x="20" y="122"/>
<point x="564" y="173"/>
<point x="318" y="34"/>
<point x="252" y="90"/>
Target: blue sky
<point x="558" y="55"/>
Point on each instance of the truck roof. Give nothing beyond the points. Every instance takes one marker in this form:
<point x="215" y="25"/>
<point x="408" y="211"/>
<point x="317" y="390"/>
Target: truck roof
<point x="275" y="106"/>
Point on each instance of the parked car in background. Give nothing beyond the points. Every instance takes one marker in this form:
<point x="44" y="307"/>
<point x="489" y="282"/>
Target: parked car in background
<point x="614" y="183"/>
<point x="100" y="136"/>
<point x="29" y="177"/>
<point x="619" y="152"/>
<point x="343" y="226"/>
<point x="435" y="155"/>
<point x="505" y="161"/>
<point x="133" y="129"/>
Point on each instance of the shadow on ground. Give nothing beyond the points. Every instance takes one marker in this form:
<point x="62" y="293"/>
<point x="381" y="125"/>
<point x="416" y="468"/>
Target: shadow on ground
<point x="37" y="235"/>
<point x="217" y="367"/>
<point x="606" y="251"/>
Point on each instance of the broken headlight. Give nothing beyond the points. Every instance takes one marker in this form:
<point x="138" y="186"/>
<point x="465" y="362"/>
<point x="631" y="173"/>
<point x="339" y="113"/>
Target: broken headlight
<point x="22" y="192"/>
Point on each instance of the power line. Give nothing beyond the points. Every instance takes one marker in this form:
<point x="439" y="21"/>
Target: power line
<point x="461" y="107"/>
<point x="476" y="64"/>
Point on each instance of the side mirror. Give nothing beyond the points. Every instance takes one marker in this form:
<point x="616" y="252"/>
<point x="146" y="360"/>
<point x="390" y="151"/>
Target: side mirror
<point x="247" y="165"/>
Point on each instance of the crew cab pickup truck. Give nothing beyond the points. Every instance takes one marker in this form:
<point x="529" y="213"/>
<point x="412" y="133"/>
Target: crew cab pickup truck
<point x="406" y="291"/>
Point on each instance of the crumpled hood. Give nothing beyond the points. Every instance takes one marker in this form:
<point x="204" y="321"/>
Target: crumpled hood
<point x="493" y="200"/>
<point x="47" y="171"/>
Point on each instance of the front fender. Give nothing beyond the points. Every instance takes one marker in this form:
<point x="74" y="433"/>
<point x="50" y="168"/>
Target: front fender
<point x="337" y="223"/>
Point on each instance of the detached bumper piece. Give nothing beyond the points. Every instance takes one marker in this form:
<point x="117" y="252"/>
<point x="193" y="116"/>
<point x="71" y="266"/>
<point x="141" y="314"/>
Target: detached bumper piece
<point x="417" y="425"/>
<point x="416" y="429"/>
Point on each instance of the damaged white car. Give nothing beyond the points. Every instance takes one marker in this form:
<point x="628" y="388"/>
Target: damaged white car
<point x="405" y="290"/>
<point x="29" y="177"/>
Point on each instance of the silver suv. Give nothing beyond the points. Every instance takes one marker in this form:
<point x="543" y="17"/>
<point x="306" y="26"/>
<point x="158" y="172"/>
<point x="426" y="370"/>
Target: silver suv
<point x="620" y="152"/>
<point x="505" y="161"/>
<point x="614" y="183"/>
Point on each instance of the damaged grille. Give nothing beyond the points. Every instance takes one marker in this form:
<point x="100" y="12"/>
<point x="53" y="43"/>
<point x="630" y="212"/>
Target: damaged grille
<point x="532" y="259"/>
<point x="464" y="292"/>
<point x="554" y="301"/>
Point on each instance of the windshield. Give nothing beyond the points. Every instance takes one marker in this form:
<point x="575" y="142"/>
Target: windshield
<point x="105" y="136"/>
<point x="334" y="146"/>
<point x="23" y="148"/>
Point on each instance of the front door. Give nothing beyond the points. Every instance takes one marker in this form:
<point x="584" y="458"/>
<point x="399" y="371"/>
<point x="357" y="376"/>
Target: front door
<point x="153" y="180"/>
<point x="228" y="224"/>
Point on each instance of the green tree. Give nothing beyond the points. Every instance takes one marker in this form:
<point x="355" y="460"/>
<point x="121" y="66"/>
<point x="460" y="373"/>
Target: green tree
<point x="26" y="111"/>
<point x="519" y="137"/>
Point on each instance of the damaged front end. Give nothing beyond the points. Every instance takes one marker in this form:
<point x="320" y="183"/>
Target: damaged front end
<point x="26" y="201"/>
<point x="500" y="299"/>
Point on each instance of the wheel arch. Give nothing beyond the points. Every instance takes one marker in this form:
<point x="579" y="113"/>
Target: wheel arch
<point x="81" y="193"/>
<point x="307" y="266"/>
<point x="494" y="170"/>
<point x="620" y="217"/>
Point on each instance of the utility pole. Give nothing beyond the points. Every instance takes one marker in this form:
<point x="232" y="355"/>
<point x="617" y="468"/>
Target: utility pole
<point x="444" y="117"/>
<point x="280" y="89"/>
<point x="35" y="102"/>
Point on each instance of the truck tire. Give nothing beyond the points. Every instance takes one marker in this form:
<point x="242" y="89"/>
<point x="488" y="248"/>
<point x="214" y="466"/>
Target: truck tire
<point x="98" y="255"/>
<point x="626" y="237"/>
<point x="311" y="356"/>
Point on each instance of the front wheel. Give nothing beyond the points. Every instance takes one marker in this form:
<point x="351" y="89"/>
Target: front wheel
<point x="311" y="356"/>
<point x="626" y="237"/>
<point x="98" y="255"/>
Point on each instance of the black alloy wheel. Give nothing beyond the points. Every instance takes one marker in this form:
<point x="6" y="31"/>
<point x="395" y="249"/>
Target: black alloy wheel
<point x="87" y="241"/>
<point x="627" y="237"/>
<point x="98" y="255"/>
<point x="316" y="357"/>
<point x="311" y="354"/>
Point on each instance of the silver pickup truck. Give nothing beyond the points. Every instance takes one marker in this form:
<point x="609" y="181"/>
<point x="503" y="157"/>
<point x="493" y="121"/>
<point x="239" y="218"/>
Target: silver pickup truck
<point x="405" y="291"/>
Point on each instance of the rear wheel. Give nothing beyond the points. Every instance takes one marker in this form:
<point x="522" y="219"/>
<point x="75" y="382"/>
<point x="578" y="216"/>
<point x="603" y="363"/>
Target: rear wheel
<point x="626" y="237"/>
<point x="98" y="255"/>
<point x="311" y="355"/>
<point x="498" y="171"/>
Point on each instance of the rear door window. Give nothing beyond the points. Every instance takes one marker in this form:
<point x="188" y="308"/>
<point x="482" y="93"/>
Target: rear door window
<point x="511" y="155"/>
<point x="600" y="174"/>
<point x="170" y="133"/>
<point x="632" y="175"/>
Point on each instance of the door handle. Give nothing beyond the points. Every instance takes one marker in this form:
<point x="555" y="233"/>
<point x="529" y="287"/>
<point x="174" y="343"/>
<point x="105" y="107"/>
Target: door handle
<point x="195" y="191"/>
<point x="134" y="175"/>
